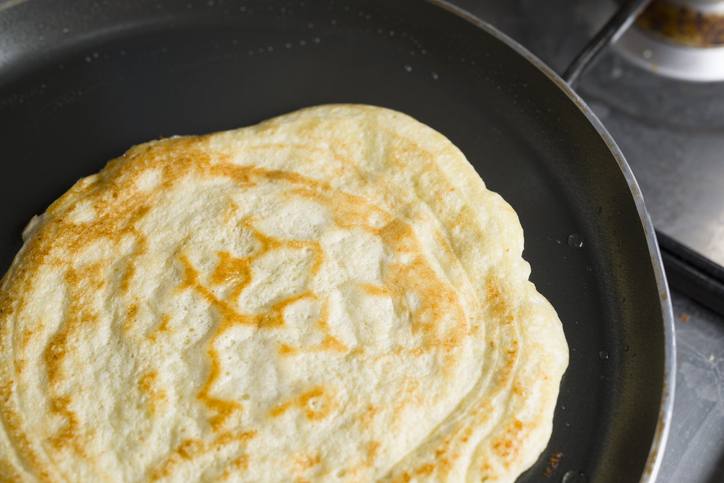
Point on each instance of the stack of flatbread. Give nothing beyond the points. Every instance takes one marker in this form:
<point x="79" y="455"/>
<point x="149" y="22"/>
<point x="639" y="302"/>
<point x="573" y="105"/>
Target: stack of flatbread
<point x="329" y="296"/>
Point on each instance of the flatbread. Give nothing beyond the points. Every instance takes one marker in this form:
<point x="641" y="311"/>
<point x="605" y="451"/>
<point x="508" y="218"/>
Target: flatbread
<point x="329" y="296"/>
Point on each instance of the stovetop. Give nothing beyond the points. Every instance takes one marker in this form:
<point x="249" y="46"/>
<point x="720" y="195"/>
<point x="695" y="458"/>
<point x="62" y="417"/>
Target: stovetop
<point x="672" y="135"/>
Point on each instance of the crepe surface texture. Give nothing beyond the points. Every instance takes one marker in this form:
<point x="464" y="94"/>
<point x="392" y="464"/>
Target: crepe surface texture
<point x="329" y="296"/>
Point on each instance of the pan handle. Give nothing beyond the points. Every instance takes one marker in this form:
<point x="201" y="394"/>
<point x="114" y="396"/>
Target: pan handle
<point x="610" y="33"/>
<point x="686" y="270"/>
<point x="692" y="274"/>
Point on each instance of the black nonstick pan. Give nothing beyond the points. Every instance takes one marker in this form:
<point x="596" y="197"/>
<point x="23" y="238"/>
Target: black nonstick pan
<point x="83" y="80"/>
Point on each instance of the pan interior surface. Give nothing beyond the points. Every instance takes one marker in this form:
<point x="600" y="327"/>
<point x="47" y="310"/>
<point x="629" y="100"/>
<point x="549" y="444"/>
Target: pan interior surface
<point x="82" y="81"/>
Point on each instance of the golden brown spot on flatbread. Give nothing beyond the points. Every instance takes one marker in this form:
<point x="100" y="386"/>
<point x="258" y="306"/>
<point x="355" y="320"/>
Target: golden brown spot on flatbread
<point x="223" y="409"/>
<point x="273" y="317"/>
<point x="405" y="149"/>
<point x="14" y="423"/>
<point x="330" y="343"/>
<point x="303" y="462"/>
<point x="62" y="346"/>
<point x="315" y="404"/>
<point x="440" y="301"/>
<point x="29" y="334"/>
<point x="333" y="344"/>
<point x="373" y="450"/>
<point x="167" y="467"/>
<point x="162" y="327"/>
<point x="352" y="212"/>
<point x="446" y="453"/>
<point x="235" y="467"/>
<point x="9" y="474"/>
<point x="287" y="350"/>
<point x="369" y="415"/>
<point x="231" y="213"/>
<point x="408" y="394"/>
<point x="509" y="446"/>
<point x="69" y="435"/>
<point x="231" y="437"/>
<point x="231" y="269"/>
<point x="117" y="214"/>
<point x="374" y="290"/>
<point x="426" y="469"/>
<point x="130" y="320"/>
<point x="512" y="349"/>
<point x="238" y="270"/>
<point x="318" y="261"/>
<point x="227" y="313"/>
<point x="149" y="384"/>
<point x="192" y="448"/>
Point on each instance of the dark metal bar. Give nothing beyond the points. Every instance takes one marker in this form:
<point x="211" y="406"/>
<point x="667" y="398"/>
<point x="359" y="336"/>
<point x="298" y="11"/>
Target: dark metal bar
<point x="616" y="26"/>
<point x="692" y="274"/>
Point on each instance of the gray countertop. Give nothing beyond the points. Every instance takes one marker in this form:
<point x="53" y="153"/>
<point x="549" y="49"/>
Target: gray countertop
<point x="695" y="450"/>
<point x="672" y="134"/>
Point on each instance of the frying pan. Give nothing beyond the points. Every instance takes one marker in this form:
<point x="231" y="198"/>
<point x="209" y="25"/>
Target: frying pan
<point x="83" y="80"/>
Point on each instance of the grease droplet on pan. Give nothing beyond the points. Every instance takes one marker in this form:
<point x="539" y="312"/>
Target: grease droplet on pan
<point x="576" y="241"/>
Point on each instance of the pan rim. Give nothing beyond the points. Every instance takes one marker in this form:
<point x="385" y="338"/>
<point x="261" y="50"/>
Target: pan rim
<point x="658" y="445"/>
